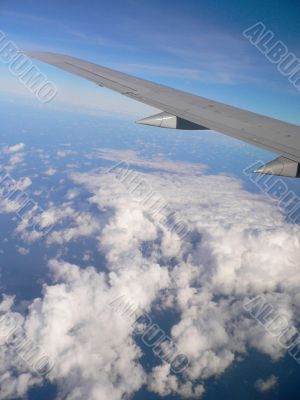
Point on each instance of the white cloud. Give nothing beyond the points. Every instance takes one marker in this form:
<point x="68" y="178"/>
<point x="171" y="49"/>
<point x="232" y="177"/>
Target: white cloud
<point x="82" y="225"/>
<point x="16" y="159"/>
<point x="14" y="149"/>
<point x="62" y="223"/>
<point x="50" y="171"/>
<point x="72" y="194"/>
<point x="94" y="354"/>
<point x="6" y="303"/>
<point x="161" y="381"/>
<point x="223" y="258"/>
<point x="22" y="250"/>
<point x="24" y="183"/>
<point x="266" y="385"/>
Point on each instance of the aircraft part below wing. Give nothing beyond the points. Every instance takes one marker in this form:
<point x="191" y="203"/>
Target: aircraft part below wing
<point x="190" y="110"/>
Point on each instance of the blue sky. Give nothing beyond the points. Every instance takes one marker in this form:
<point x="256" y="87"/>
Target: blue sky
<point x="196" y="46"/>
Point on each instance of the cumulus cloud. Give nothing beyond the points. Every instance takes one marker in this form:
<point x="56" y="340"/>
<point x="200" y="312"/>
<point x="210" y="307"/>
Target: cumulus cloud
<point x="72" y="194"/>
<point x="164" y="383"/>
<point x="13" y="193"/>
<point x="62" y="222"/>
<point x="222" y="258"/>
<point x="50" y="171"/>
<point x="24" y="183"/>
<point x="205" y="278"/>
<point x="22" y="251"/>
<point x="79" y="224"/>
<point x="15" y="148"/>
<point x="92" y="346"/>
<point x="16" y="159"/>
<point x="266" y="385"/>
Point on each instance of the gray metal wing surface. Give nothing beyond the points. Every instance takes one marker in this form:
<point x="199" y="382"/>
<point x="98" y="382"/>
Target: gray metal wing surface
<point x="276" y="136"/>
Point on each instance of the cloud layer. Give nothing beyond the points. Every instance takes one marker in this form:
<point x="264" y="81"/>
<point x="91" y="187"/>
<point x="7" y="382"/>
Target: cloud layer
<point x="238" y="246"/>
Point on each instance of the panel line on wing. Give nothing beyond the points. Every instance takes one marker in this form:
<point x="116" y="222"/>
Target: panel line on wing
<point x="100" y="76"/>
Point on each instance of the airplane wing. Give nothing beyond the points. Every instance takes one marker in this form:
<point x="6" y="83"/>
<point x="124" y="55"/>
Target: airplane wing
<point x="182" y="110"/>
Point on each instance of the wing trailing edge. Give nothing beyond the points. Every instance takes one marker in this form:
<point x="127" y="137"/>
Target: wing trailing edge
<point x="183" y="110"/>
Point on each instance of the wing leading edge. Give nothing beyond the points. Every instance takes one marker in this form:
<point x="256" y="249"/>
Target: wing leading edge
<point x="190" y="110"/>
